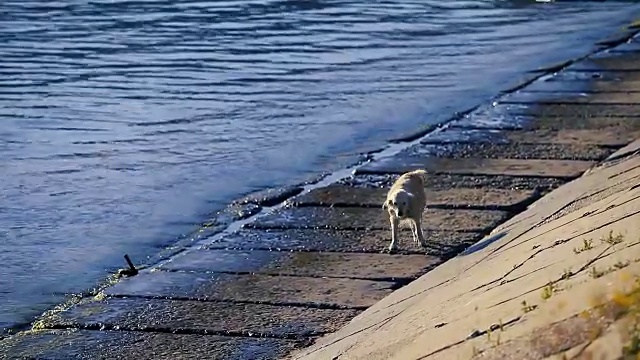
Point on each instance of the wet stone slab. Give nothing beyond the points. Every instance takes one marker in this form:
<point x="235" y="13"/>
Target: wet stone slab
<point x="518" y="142"/>
<point x="441" y="243"/>
<point x="577" y="110"/>
<point x="202" y="317"/>
<point x="270" y="197"/>
<point x="529" y="97"/>
<point x="215" y="224"/>
<point x="622" y="124"/>
<point x="610" y="137"/>
<point x="608" y="61"/>
<point x="627" y="48"/>
<point x="625" y="35"/>
<point x="401" y="163"/>
<point x="587" y="98"/>
<point x="488" y="117"/>
<point x="553" y="89"/>
<point x="513" y="150"/>
<point x="601" y="76"/>
<point x="601" y="91"/>
<point x="223" y="261"/>
<point x="456" y="181"/>
<point x="461" y="135"/>
<point x="375" y="219"/>
<point x="266" y="289"/>
<point x="314" y="264"/>
<point x="85" y="344"/>
<point x="521" y="117"/>
<point x="528" y="116"/>
<point x="340" y="195"/>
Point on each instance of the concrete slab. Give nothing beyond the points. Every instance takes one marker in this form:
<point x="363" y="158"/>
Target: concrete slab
<point x="611" y="137"/>
<point x="457" y="181"/>
<point x="494" y="117"/>
<point x="270" y="197"/>
<point x="511" y="150"/>
<point x="459" y="142"/>
<point x="85" y="344"/>
<point x="535" y="98"/>
<point x="462" y="135"/>
<point x="267" y="289"/>
<point x="562" y="169"/>
<point x="529" y="284"/>
<point x="626" y="48"/>
<point x="586" y="110"/>
<point x="600" y="95"/>
<point x="595" y="76"/>
<point x="201" y="317"/>
<point x="620" y="37"/>
<point x="607" y="136"/>
<point x="442" y="244"/>
<point x="524" y="117"/>
<point x="314" y="264"/>
<point x="632" y="149"/>
<point x="600" y="76"/>
<point x="375" y="219"/>
<point x="340" y="195"/>
<point x="627" y="124"/>
<point x="221" y="261"/>
<point x="609" y="61"/>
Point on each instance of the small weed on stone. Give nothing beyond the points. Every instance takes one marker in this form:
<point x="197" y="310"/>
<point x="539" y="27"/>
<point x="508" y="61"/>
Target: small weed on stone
<point x="629" y="304"/>
<point x="547" y="291"/>
<point x="613" y="240"/>
<point x="587" y="244"/>
<point x="621" y="265"/>
<point x="527" y="308"/>
<point x="595" y="273"/>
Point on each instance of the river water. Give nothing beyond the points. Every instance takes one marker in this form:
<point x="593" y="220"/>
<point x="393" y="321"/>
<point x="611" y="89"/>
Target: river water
<point x="127" y="122"/>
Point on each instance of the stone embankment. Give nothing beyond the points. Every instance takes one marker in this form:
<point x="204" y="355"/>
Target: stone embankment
<point x="293" y="277"/>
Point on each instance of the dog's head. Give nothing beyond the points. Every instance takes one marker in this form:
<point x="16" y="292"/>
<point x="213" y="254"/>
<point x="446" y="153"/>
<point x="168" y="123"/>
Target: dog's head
<point x="398" y="204"/>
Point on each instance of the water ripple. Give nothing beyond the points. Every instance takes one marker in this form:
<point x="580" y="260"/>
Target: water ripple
<point x="125" y="120"/>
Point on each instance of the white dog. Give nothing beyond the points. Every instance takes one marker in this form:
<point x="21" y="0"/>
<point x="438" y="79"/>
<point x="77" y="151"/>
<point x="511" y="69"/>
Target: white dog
<point x="405" y="203"/>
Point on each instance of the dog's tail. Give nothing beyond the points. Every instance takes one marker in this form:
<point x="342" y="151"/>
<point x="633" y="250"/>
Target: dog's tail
<point x="421" y="172"/>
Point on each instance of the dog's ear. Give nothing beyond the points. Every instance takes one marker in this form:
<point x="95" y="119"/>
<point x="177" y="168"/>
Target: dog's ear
<point x="386" y="204"/>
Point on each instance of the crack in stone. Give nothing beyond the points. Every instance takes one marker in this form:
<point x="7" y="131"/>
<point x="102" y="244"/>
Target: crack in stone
<point x="556" y="243"/>
<point x="376" y="326"/>
<point x="475" y="335"/>
<point x="600" y="256"/>
<point x="559" y="226"/>
<point x="561" y="278"/>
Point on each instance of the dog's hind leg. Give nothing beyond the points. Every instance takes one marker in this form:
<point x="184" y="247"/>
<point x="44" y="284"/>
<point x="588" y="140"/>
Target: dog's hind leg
<point x="414" y="231"/>
<point x="420" y="234"/>
<point x="394" y="233"/>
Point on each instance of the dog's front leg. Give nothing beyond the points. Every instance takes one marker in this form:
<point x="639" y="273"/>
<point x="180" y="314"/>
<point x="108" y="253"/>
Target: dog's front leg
<point x="394" y="233"/>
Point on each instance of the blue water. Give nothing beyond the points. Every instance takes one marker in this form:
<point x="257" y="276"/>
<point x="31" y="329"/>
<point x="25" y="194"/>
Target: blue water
<point x="127" y="122"/>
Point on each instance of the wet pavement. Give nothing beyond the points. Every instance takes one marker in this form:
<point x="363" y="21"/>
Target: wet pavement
<point x="306" y="268"/>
